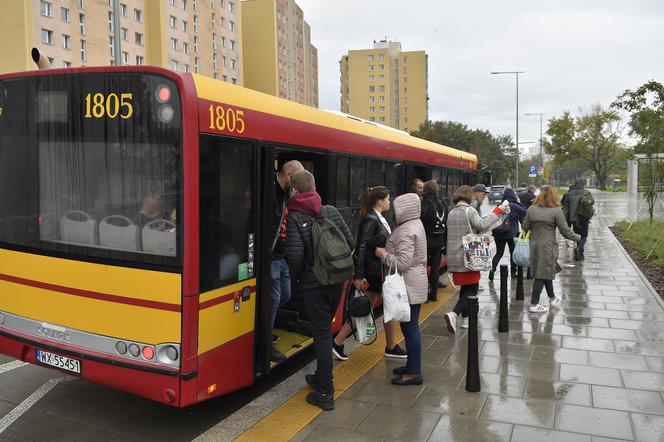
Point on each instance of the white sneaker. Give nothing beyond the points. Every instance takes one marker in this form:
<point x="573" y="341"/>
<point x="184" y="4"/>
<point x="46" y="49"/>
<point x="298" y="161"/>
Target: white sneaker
<point x="539" y="308"/>
<point x="554" y="302"/>
<point x="451" y="318"/>
<point x="464" y="323"/>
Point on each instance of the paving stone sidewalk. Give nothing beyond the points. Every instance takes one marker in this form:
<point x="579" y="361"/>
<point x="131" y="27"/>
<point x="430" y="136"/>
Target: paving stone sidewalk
<point x="590" y="370"/>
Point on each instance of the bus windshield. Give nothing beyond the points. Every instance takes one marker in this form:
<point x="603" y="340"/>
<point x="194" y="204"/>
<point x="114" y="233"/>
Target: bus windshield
<point x="90" y="166"/>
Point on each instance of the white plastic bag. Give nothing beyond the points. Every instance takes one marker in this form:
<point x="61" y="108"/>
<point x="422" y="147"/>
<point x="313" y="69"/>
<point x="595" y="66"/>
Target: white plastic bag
<point x="365" y="329"/>
<point x="395" y="298"/>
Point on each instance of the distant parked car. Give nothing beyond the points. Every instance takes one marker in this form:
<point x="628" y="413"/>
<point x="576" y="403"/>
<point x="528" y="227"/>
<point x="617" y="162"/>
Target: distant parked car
<point x="496" y="194"/>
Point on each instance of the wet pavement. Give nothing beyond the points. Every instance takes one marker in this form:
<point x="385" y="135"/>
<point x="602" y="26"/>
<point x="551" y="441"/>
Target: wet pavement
<point x="589" y="370"/>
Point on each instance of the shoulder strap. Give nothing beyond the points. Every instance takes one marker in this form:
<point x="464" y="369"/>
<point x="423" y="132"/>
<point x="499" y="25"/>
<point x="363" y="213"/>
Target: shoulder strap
<point x="468" y="220"/>
<point x="281" y="221"/>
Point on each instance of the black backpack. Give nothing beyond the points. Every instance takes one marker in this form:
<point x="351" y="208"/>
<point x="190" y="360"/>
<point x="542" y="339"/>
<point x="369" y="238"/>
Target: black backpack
<point x="438" y="221"/>
<point x="506" y="226"/>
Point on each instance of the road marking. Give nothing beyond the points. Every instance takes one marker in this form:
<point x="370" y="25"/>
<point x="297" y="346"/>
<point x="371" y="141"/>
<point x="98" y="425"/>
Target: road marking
<point x="24" y="406"/>
<point x="9" y="366"/>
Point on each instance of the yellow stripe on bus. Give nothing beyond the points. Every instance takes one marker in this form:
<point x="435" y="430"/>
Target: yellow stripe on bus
<point x="220" y="323"/>
<point x="210" y="89"/>
<point x="111" y="280"/>
<point x="146" y="325"/>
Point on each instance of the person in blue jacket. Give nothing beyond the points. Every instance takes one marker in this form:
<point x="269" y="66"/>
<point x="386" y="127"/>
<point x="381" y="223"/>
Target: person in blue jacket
<point x="505" y="233"/>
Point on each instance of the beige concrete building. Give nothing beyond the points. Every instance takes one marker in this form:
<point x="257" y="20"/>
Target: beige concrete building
<point x="201" y="36"/>
<point x="279" y="58"/>
<point x="386" y="85"/>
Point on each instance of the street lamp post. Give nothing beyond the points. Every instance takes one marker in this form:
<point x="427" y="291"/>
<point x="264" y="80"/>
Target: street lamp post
<point x="541" y="147"/>
<point x="516" y="184"/>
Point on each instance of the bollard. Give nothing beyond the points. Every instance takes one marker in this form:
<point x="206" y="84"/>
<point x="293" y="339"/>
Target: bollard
<point x="503" y="320"/>
<point x="473" y="363"/>
<point x="519" y="283"/>
<point x="529" y="273"/>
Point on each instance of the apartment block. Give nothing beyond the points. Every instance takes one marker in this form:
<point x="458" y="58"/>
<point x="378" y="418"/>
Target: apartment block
<point x="202" y="36"/>
<point x="386" y="85"/>
<point x="279" y="58"/>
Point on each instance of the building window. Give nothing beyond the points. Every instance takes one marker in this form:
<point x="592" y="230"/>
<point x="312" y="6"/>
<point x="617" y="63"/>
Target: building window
<point x="382" y="119"/>
<point x="111" y="46"/>
<point x="382" y="108"/>
<point x="46" y="9"/>
<point x="64" y="14"/>
<point x="381" y="88"/>
<point x="186" y="68"/>
<point x="372" y="108"/>
<point x="405" y="59"/>
<point x="174" y="44"/>
<point x="110" y="22"/>
<point x="125" y="34"/>
<point x="381" y="67"/>
<point x="123" y="9"/>
<point x="233" y="64"/>
<point x="81" y="4"/>
<point x="232" y="45"/>
<point x="216" y="75"/>
<point x="372" y="118"/>
<point x="84" y="52"/>
<point x="381" y="98"/>
<point x="371" y="67"/>
<point x="222" y="4"/>
<point x="81" y="23"/>
<point x="185" y="47"/>
<point x="172" y="21"/>
<point x="223" y="60"/>
<point x="195" y="45"/>
<point x="138" y="38"/>
<point x="372" y="78"/>
<point x="214" y="60"/>
<point x="195" y="23"/>
<point x="214" y="19"/>
<point x="172" y="2"/>
<point x="223" y="22"/>
<point x="381" y="78"/>
<point x="139" y="60"/>
<point x="372" y="88"/>
<point x="66" y="41"/>
<point x="51" y="61"/>
<point x="214" y="41"/>
<point x="138" y="15"/>
<point x="195" y="5"/>
<point x="381" y="57"/>
<point x="223" y="41"/>
<point x="231" y="7"/>
<point x="196" y="65"/>
<point x="125" y="57"/>
<point x="185" y="26"/>
<point x="224" y="77"/>
<point x="174" y="65"/>
<point x="405" y="90"/>
<point x="372" y="99"/>
<point x="66" y="64"/>
<point x="371" y="57"/>
<point x="234" y="80"/>
<point x="47" y="36"/>
<point x="184" y="5"/>
<point x="232" y="25"/>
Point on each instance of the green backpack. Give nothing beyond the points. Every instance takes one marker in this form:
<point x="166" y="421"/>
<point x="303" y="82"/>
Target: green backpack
<point x="332" y="258"/>
<point x="586" y="208"/>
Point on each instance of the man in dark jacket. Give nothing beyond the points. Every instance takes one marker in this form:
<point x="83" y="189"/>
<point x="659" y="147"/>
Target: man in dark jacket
<point x="572" y="201"/>
<point x="528" y="196"/>
<point x="320" y="301"/>
<point x="281" y="285"/>
<point x="434" y="219"/>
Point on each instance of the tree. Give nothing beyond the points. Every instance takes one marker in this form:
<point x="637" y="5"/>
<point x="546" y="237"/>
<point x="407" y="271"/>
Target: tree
<point x="646" y="123"/>
<point x="591" y="140"/>
<point x="497" y="152"/>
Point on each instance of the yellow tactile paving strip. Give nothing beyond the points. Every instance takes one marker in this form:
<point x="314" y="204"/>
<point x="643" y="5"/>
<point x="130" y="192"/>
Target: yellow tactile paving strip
<point x="293" y="415"/>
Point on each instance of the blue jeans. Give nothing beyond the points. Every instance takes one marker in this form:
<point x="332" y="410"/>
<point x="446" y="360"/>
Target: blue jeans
<point x="280" y="293"/>
<point x="411" y="334"/>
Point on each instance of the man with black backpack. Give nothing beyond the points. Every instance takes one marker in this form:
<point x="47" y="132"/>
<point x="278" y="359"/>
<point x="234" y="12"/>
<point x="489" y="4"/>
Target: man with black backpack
<point x="434" y="219"/>
<point x="318" y="250"/>
<point x="579" y="208"/>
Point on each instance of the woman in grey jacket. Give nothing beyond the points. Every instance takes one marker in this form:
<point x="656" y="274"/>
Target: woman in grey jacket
<point x="406" y="250"/>
<point x="457" y="227"/>
<point x="543" y="216"/>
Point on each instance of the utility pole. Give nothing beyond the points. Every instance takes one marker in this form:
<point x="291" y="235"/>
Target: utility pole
<point x="516" y="184"/>
<point x="116" y="32"/>
<point x="541" y="145"/>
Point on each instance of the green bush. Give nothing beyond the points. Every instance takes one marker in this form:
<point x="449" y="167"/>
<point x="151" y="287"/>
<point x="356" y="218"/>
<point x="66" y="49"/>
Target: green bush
<point x="643" y="236"/>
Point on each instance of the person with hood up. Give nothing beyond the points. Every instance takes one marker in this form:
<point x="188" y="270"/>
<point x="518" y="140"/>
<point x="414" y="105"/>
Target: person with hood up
<point x="504" y="234"/>
<point x="406" y="250"/>
<point x="574" y="202"/>
<point x="320" y="301"/>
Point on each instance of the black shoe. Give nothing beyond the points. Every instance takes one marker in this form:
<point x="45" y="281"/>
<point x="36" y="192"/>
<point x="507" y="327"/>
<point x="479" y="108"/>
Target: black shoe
<point x="577" y="255"/>
<point x="275" y="339"/>
<point x="324" y="401"/>
<point x="491" y="273"/>
<point x="311" y="380"/>
<point x="399" y="370"/>
<point x="581" y="257"/>
<point x="338" y="352"/>
<point x="399" y="380"/>
<point x="397" y="352"/>
<point x="276" y="355"/>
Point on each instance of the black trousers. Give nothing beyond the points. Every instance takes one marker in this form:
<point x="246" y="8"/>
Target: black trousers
<point x="500" y="250"/>
<point x="461" y="306"/>
<point x="434" y="255"/>
<point x="320" y="305"/>
<point x="538" y="285"/>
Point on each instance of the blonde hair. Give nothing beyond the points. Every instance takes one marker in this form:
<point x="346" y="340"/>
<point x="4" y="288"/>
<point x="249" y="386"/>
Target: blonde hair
<point x="548" y="197"/>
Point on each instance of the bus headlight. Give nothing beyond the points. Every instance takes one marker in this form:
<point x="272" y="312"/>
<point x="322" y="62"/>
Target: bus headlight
<point x="168" y="353"/>
<point x="121" y="347"/>
<point x="134" y="350"/>
<point x="165" y="113"/>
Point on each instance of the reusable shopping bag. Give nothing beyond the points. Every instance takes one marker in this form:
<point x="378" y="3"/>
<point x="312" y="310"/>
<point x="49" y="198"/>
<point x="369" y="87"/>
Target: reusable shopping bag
<point x="476" y="251"/>
<point x="359" y="310"/>
<point x="395" y="298"/>
<point x="521" y="255"/>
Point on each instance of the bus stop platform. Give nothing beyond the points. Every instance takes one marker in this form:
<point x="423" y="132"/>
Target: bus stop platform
<point x="590" y="370"/>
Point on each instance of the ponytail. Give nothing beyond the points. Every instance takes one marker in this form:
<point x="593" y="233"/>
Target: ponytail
<point x="371" y="196"/>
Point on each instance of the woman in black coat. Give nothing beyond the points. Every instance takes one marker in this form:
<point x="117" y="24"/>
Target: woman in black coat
<point x="434" y="218"/>
<point x="373" y="232"/>
<point x="505" y="233"/>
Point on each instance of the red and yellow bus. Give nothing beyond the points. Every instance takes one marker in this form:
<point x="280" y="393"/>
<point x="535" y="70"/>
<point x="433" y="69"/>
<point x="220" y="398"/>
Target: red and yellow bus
<point x="135" y="216"/>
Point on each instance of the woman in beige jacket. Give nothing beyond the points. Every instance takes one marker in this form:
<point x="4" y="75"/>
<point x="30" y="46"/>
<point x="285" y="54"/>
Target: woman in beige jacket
<point x="406" y="249"/>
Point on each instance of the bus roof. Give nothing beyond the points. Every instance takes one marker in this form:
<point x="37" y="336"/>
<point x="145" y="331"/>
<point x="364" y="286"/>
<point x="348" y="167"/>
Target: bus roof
<point x="221" y="92"/>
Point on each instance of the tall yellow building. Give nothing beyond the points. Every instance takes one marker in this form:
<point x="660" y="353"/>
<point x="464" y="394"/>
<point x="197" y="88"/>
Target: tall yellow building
<point x="386" y="85"/>
<point x="279" y="58"/>
<point x="202" y="36"/>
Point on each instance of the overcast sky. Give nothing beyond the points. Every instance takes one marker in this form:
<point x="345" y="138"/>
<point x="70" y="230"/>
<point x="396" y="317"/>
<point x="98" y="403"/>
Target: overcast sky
<point x="574" y="52"/>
